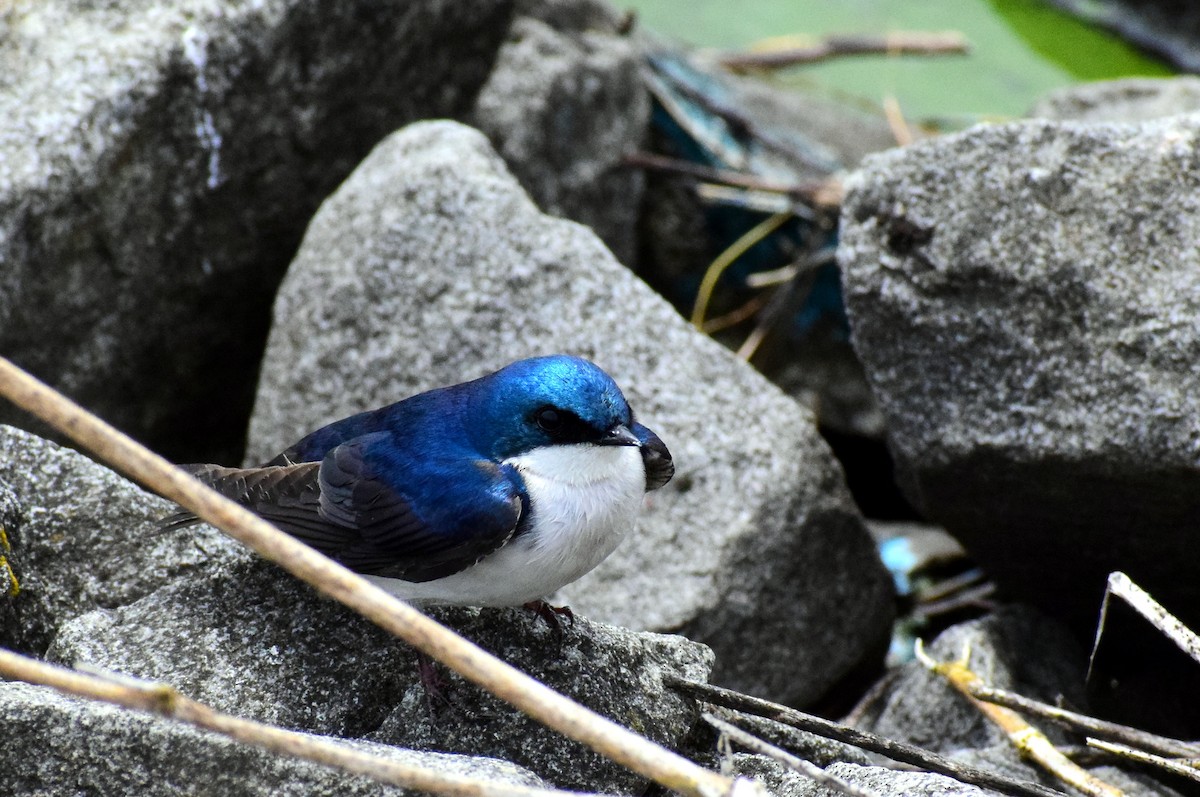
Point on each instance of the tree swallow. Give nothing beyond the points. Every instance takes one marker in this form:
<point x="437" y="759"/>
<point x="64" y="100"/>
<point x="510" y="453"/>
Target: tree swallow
<point x="494" y="492"/>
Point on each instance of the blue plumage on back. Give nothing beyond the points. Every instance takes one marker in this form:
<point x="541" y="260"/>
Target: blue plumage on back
<point x="423" y="489"/>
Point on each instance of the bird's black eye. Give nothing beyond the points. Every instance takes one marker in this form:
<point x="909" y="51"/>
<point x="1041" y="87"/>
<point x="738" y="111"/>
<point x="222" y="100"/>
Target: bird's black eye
<point x="549" y="419"/>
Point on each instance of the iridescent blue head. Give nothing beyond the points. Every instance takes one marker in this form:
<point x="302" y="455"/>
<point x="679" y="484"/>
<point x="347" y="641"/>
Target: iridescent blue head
<point x="544" y="401"/>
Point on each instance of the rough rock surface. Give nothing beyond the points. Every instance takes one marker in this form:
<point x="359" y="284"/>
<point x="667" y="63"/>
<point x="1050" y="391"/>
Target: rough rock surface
<point x="84" y="538"/>
<point x="1026" y="301"/>
<point x="194" y="609"/>
<point x="249" y="639"/>
<point x="56" y="746"/>
<point x="755" y="548"/>
<point x="158" y="162"/>
<point x="564" y="102"/>
<point x="1128" y="100"/>
<point x="1017" y="649"/>
<point x="783" y="782"/>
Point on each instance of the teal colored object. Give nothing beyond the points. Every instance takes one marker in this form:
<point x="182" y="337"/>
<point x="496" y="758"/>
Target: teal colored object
<point x="697" y="118"/>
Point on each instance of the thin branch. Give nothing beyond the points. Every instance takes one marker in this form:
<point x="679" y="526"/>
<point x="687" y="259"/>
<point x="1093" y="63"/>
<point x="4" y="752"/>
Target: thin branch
<point x="976" y="597"/>
<point x="952" y="584"/>
<point x="806" y="768"/>
<point x="472" y="662"/>
<point x="776" y="276"/>
<point x="1122" y="586"/>
<point x="727" y="258"/>
<point x="1185" y="768"/>
<point x="163" y="700"/>
<point x="735" y="316"/>
<point x="1151" y="742"/>
<point x="825" y="192"/>
<point x="896" y="121"/>
<point x="897" y="751"/>
<point x="750" y="200"/>
<point x="1030" y="742"/>
<point x="786" y="299"/>
<point x="894" y="43"/>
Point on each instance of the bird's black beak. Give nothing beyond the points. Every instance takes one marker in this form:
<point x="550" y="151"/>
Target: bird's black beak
<point x="657" y="459"/>
<point x="619" y="435"/>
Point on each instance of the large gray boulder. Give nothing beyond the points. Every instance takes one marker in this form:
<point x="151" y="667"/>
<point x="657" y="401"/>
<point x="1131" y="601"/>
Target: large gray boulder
<point x="563" y="104"/>
<point x="1126" y="100"/>
<point x="57" y="746"/>
<point x="431" y="266"/>
<point x="194" y="609"/>
<point x="158" y="161"/>
<point x="250" y="640"/>
<point x="1025" y="299"/>
<point x="83" y="538"/>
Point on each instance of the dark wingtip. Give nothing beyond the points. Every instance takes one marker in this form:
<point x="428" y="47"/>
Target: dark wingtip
<point x="175" y="522"/>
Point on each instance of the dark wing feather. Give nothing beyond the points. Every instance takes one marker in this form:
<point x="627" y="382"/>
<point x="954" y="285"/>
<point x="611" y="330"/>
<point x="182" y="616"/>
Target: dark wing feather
<point x="282" y="490"/>
<point x="416" y="521"/>
<point x="450" y="514"/>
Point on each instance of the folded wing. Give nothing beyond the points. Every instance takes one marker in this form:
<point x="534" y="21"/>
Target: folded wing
<point x="374" y="511"/>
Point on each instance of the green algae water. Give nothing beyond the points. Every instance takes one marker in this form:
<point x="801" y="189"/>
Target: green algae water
<point x="1020" y="49"/>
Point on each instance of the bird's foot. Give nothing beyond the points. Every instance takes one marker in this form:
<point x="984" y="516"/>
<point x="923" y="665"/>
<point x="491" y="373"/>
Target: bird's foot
<point x="551" y="615"/>
<point x="437" y="688"/>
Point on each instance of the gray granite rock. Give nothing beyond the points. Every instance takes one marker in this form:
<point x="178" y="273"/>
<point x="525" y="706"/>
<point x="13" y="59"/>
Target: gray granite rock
<point x="249" y="639"/>
<point x="85" y="538"/>
<point x="57" y="746"/>
<point x="158" y="162"/>
<point x="1017" y="649"/>
<point x="1026" y="301"/>
<point x="1128" y="100"/>
<point x="577" y="15"/>
<point x="783" y="782"/>
<point x="430" y="266"/>
<point x="564" y="102"/>
<point x="612" y="670"/>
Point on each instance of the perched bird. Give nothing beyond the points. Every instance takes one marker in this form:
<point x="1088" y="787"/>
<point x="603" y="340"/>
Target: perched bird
<point x="494" y="492"/>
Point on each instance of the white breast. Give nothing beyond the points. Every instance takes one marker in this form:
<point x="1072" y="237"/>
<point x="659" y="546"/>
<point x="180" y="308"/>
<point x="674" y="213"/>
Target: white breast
<point x="583" y="499"/>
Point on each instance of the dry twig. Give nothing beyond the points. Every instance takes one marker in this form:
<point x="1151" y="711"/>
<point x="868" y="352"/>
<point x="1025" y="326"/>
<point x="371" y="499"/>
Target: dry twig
<point x="894" y="43"/>
<point x="897" y="751"/>
<point x="1028" y="740"/>
<point x="727" y="258"/>
<point x="472" y="662"/>
<point x="896" y="121"/>
<point x="785" y="300"/>
<point x="825" y="193"/>
<point x="736" y="316"/>
<point x="1122" y="586"/>
<point x="1145" y="740"/>
<point x="1187" y="768"/>
<point x="806" y="768"/>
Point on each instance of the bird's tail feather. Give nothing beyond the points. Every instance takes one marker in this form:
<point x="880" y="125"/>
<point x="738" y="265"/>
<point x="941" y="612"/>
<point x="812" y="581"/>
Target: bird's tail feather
<point x="254" y="488"/>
